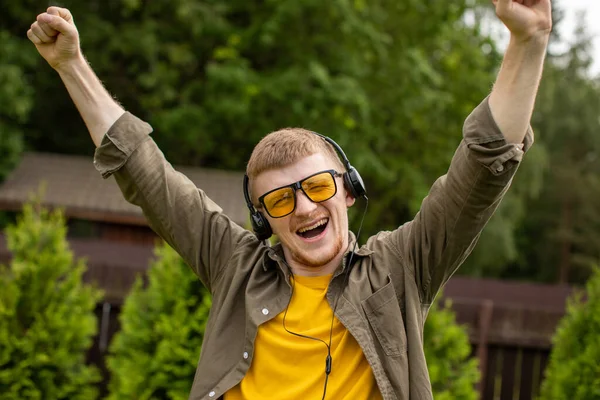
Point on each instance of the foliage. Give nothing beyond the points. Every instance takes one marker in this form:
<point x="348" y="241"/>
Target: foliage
<point x="574" y="371"/>
<point x="47" y="319"/>
<point x="452" y="372"/>
<point x="560" y="232"/>
<point x="154" y="355"/>
<point x="390" y="81"/>
<point x="16" y="97"/>
<point x="546" y="227"/>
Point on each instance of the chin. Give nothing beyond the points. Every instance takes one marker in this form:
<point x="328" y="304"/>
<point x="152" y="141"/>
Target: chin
<point x="313" y="261"/>
<point x="320" y="257"/>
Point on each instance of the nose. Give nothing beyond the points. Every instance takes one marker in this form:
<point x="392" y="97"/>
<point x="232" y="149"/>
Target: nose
<point x="304" y="205"/>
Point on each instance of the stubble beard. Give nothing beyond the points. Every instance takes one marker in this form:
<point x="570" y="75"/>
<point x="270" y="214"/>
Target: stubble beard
<point x="314" y="262"/>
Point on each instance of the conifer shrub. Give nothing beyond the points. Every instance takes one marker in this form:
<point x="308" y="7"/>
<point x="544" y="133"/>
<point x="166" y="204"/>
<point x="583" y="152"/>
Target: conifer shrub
<point x="453" y="373"/>
<point x="154" y="355"/>
<point x="47" y="320"/>
<point x="574" y="368"/>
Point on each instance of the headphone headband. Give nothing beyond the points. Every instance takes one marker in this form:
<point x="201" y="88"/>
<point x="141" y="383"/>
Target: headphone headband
<point x="338" y="149"/>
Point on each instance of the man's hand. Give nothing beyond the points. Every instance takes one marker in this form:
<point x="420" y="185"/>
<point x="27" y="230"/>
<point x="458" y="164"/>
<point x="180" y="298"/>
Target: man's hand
<point x="525" y="19"/>
<point x="55" y="37"/>
<point x="57" y="40"/>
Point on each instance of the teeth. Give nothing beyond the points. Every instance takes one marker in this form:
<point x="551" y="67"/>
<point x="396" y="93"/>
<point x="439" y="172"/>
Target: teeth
<point x="315" y="225"/>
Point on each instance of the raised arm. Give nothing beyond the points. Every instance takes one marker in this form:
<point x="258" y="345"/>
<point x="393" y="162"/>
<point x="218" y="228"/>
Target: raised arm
<point x="57" y="40"/>
<point x="174" y="207"/>
<point x="513" y="96"/>
<point x="435" y="243"/>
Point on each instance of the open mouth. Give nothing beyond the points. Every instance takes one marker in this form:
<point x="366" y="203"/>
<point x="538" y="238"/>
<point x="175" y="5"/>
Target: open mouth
<point x="313" y="230"/>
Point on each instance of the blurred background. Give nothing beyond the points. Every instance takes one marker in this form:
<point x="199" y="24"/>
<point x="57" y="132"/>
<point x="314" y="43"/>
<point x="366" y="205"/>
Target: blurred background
<point x="390" y="81"/>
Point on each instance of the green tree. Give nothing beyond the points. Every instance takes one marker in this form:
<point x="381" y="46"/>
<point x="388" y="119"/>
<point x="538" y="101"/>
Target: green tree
<point x="16" y="97"/>
<point x="391" y="81"/>
<point x="154" y="356"/>
<point x="546" y="227"/>
<point x="47" y="319"/>
<point x="452" y="372"/>
<point x="558" y="240"/>
<point x="574" y="371"/>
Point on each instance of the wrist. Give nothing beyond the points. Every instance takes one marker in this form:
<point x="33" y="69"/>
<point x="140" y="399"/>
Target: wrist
<point x="70" y="66"/>
<point x="536" y="41"/>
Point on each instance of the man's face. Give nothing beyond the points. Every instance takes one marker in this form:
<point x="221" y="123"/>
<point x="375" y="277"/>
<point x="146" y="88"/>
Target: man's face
<point x="312" y="248"/>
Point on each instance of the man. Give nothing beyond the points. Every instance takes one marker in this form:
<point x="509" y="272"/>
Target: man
<point x="316" y="316"/>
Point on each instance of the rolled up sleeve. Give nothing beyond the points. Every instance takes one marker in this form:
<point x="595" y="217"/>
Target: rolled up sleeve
<point x="487" y="143"/>
<point x="121" y="140"/>
<point x="460" y="203"/>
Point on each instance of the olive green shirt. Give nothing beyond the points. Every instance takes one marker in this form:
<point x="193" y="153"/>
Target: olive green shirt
<point x="394" y="278"/>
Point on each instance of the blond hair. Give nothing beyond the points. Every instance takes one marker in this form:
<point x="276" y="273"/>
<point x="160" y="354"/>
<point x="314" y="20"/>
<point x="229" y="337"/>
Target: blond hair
<point x="286" y="146"/>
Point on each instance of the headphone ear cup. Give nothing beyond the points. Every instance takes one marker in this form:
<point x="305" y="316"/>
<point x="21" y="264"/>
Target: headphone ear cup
<point x="260" y="226"/>
<point x="354" y="183"/>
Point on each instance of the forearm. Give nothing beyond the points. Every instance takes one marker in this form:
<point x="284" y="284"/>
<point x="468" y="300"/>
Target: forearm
<point x="513" y="97"/>
<point x="96" y="106"/>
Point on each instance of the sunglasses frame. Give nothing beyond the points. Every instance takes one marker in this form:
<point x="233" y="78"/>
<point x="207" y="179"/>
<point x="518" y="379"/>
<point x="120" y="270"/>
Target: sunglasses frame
<point x="298" y="186"/>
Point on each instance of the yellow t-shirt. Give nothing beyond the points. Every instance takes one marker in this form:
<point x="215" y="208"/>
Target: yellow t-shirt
<point x="288" y="367"/>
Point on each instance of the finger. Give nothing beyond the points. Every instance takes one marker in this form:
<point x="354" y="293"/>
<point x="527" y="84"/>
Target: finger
<point x="56" y="22"/>
<point x="34" y="39"/>
<point x="61" y="12"/>
<point x="39" y="32"/>
<point x="46" y="28"/>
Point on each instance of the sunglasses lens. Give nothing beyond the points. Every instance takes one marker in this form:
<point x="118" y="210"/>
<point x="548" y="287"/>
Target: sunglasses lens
<point x="280" y="202"/>
<point x="320" y="187"/>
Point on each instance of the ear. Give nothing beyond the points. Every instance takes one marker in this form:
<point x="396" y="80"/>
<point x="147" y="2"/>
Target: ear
<point x="349" y="199"/>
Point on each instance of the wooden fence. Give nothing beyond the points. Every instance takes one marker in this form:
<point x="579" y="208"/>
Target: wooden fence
<point x="510" y="327"/>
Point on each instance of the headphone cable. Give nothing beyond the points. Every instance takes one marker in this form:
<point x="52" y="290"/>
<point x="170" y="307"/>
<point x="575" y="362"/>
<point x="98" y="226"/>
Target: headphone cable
<point x="329" y="359"/>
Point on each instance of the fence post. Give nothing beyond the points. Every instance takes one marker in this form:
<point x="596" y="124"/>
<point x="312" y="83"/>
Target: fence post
<point x="485" y="320"/>
<point x="104" y="325"/>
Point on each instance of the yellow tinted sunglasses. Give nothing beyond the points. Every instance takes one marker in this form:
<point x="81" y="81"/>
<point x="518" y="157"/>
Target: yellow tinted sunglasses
<point x="317" y="187"/>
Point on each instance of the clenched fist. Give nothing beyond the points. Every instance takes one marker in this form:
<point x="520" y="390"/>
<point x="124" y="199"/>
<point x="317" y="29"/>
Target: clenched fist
<point x="526" y="19"/>
<point x="55" y="37"/>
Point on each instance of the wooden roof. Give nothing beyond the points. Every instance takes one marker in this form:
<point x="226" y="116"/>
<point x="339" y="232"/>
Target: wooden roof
<point x="111" y="266"/>
<point x="72" y="183"/>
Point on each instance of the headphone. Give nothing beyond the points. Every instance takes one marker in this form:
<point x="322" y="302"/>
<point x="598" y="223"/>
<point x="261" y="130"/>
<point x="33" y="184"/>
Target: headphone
<point x="352" y="182"/>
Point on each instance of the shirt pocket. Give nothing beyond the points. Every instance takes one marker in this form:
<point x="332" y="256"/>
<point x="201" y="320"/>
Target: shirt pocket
<point x="385" y="318"/>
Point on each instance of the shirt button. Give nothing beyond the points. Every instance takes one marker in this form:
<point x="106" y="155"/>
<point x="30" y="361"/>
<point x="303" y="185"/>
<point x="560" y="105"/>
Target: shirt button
<point x="500" y="168"/>
<point x="211" y="394"/>
<point x="245" y="355"/>
<point x="265" y="311"/>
